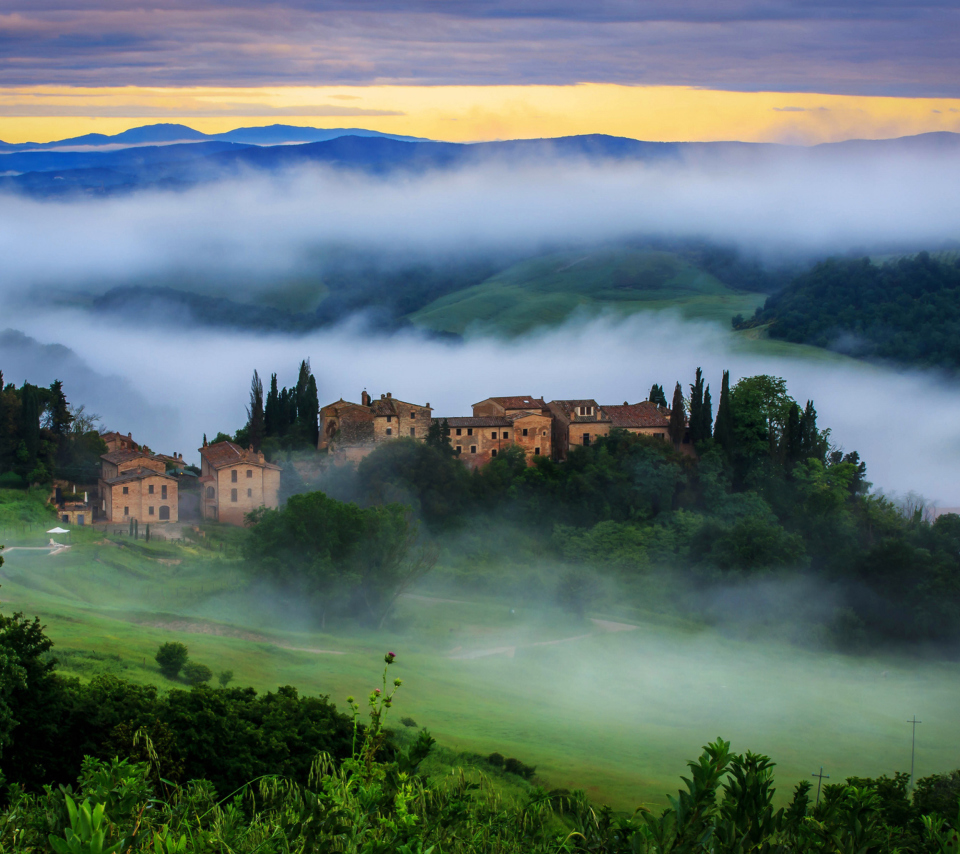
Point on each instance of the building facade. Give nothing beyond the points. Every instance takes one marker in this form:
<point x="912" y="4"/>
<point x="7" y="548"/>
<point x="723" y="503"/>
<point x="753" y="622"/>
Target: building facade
<point x="350" y="431"/>
<point x="235" y="481"/>
<point x="139" y="493"/>
<point x="576" y="422"/>
<point x="643" y="419"/>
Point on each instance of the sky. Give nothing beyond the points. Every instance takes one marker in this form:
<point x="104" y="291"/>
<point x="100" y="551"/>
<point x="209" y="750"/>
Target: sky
<point x="776" y="70"/>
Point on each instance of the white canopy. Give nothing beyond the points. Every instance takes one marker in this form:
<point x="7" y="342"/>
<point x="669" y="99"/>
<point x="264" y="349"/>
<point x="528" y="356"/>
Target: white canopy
<point x="58" y="531"/>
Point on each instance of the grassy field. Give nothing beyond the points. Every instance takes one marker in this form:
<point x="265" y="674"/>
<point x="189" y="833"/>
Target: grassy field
<point x="614" y="704"/>
<point x="547" y="290"/>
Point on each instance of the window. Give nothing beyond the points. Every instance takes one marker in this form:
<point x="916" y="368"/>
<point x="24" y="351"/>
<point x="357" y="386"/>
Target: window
<point x="249" y="493"/>
<point x="233" y="495"/>
<point x="543" y="432"/>
<point x="413" y="415"/>
<point x="126" y="511"/>
<point x="149" y="511"/>
<point x="493" y="453"/>
<point x="469" y="431"/>
<point x="210" y="493"/>
<point x="493" y="434"/>
<point x="233" y="476"/>
<point x="524" y="431"/>
<point x="586" y="410"/>
<point x="660" y="436"/>
<point x="249" y="472"/>
<point x="126" y="490"/>
<point x="586" y="439"/>
<point x="459" y="431"/>
<point x="389" y="419"/>
<point x="536" y="452"/>
<point x="473" y="449"/>
<point x="506" y="435"/>
<point x="389" y="431"/>
<point x="458" y="450"/>
<point x="163" y="491"/>
<point x="686" y="438"/>
<point x="150" y="489"/>
<point x="413" y="431"/>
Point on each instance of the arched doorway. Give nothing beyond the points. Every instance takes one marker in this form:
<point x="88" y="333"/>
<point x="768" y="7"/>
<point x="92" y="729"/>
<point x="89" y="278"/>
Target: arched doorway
<point x="164" y="513"/>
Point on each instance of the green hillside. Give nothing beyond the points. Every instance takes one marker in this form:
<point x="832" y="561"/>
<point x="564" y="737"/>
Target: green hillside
<point x="547" y="290"/>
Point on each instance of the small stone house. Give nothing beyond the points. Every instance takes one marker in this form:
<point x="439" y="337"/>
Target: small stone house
<point x="398" y="419"/>
<point x="576" y="422"/>
<point x="478" y="439"/>
<point x="118" y="442"/>
<point x="510" y="405"/>
<point x="352" y="430"/>
<point x="344" y="424"/>
<point x="139" y="493"/>
<point x="644" y="419"/>
<point x="115" y="463"/>
<point x="235" y="481"/>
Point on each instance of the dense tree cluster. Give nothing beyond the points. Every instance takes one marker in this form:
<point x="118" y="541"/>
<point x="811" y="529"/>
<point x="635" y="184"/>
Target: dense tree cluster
<point x="767" y="493"/>
<point x="905" y="311"/>
<point x="42" y="437"/>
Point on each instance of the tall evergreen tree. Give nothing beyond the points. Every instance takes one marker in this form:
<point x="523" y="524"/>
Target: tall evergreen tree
<point x="58" y="413"/>
<point x="310" y="414"/>
<point x="657" y="396"/>
<point x="706" y="415"/>
<point x="696" y="408"/>
<point x="271" y="411"/>
<point x="812" y="444"/>
<point x="678" y="418"/>
<point x="303" y="384"/>
<point x="790" y="450"/>
<point x="723" y="426"/>
<point x="255" y="414"/>
<point x="30" y="423"/>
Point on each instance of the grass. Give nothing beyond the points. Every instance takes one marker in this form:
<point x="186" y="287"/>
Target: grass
<point x="549" y="289"/>
<point x="617" y="713"/>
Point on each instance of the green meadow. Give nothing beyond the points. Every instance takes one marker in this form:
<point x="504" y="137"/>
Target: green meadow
<point x="615" y="703"/>
<point x="549" y="289"/>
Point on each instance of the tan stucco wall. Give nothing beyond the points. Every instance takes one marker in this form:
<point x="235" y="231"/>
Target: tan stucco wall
<point x="263" y="486"/>
<point x="410" y="416"/>
<point x="139" y="500"/>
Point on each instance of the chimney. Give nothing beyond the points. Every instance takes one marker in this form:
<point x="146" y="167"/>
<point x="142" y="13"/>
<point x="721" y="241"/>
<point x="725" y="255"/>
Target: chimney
<point x="129" y="435"/>
<point x="383" y="397"/>
<point x="428" y="405"/>
<point x="625" y="403"/>
<point x="365" y="398"/>
<point x="260" y="456"/>
<point x="389" y="395"/>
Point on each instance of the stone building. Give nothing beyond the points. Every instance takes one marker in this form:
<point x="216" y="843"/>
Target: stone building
<point x="576" y="422"/>
<point x="117" y="462"/>
<point x="644" y="419"/>
<point x="352" y="430"/>
<point x="480" y="438"/>
<point x="140" y="493"/>
<point x="510" y="405"/>
<point x="118" y="442"/>
<point x="235" y="481"/>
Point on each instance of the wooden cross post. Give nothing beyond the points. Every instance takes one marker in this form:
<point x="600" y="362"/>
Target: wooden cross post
<point x="913" y="746"/>
<point x="820" y="778"/>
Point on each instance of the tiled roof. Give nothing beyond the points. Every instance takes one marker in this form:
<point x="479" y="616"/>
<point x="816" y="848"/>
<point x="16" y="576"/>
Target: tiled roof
<point x="339" y="405"/>
<point x="228" y="454"/>
<point x="137" y="474"/>
<point x="568" y="408"/>
<point x="477" y="421"/>
<point x="519" y="416"/>
<point x="645" y="414"/>
<point x="521" y="401"/>
<point x="117" y="457"/>
<point x="388" y="406"/>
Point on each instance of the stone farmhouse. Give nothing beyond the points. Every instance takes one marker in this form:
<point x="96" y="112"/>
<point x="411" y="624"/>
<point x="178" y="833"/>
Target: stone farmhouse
<point x="134" y="485"/>
<point x="350" y="431"/>
<point x="235" y="481"/>
<point x="118" y="442"/>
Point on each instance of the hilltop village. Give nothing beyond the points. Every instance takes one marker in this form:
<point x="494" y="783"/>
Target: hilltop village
<point x="137" y="487"/>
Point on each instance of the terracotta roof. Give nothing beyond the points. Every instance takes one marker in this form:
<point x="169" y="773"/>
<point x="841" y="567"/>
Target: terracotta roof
<point x="645" y="414"/>
<point x="568" y="408"/>
<point x="228" y="454"/>
<point x="207" y="478"/>
<point x="137" y="474"/>
<point x="519" y="416"/>
<point x="477" y="421"/>
<point x="117" y="457"/>
<point x="388" y="405"/>
<point x="521" y="401"/>
<point x="338" y="405"/>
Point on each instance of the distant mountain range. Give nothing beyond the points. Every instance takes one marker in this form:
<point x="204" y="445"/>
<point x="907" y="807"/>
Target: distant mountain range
<point x="175" y="156"/>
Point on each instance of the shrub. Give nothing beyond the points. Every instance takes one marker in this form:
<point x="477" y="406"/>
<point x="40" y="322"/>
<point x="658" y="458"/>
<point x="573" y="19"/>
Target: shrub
<point x="11" y="480"/>
<point x="171" y="657"/>
<point x="515" y="766"/>
<point x="408" y="721"/>
<point x="196" y="674"/>
<point x="225" y="678"/>
<point x="496" y="760"/>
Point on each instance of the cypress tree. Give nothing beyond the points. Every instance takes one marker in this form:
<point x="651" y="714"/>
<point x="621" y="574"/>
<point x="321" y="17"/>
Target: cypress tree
<point x="678" y="417"/>
<point x="310" y="414"/>
<point x="255" y="414"/>
<point x="723" y="426"/>
<point x="791" y="443"/>
<point x="303" y="382"/>
<point x="706" y="415"/>
<point x="812" y="444"/>
<point x="657" y="396"/>
<point x="271" y="411"/>
<point x="696" y="408"/>
<point x="30" y="423"/>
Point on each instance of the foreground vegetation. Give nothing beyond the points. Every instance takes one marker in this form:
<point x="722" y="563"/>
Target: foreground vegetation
<point x="373" y="795"/>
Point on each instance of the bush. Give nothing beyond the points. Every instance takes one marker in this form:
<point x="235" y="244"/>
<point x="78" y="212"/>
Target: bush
<point x="496" y="760"/>
<point x="171" y="657"/>
<point x="515" y="766"/>
<point x="408" y="721"/>
<point x="225" y="678"/>
<point x="196" y="674"/>
<point x="11" y="480"/>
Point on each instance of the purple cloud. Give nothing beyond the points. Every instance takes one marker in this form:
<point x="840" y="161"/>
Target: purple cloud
<point x="869" y="48"/>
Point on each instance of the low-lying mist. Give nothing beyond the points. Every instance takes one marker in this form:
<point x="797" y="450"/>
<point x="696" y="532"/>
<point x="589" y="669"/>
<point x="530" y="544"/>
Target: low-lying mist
<point x="272" y="225"/>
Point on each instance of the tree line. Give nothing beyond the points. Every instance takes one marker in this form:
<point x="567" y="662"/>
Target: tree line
<point x="43" y="437"/>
